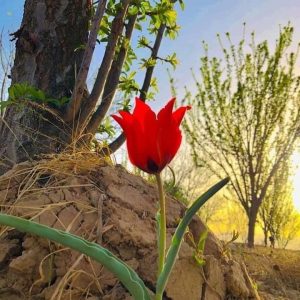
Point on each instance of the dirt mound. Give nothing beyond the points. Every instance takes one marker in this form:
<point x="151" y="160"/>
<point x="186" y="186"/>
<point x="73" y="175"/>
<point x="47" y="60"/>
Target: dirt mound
<point x="107" y="205"/>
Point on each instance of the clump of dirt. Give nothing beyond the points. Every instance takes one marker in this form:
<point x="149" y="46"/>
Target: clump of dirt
<point x="275" y="271"/>
<point x="107" y="205"/>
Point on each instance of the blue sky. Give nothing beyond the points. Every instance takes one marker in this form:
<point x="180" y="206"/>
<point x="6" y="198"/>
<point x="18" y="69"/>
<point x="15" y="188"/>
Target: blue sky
<point x="201" y="20"/>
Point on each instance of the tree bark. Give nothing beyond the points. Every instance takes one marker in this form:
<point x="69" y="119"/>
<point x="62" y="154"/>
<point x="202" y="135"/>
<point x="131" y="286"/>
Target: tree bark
<point x="116" y="32"/>
<point x="266" y="238"/>
<point x="46" y="57"/>
<point x="251" y="224"/>
<point x="112" y="81"/>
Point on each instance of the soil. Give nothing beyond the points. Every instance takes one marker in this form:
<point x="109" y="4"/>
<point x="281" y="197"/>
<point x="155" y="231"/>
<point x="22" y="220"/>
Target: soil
<point x="276" y="272"/>
<point x="105" y="204"/>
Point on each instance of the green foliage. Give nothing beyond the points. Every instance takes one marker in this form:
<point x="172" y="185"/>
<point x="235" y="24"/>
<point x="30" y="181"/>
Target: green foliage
<point x="181" y="4"/>
<point x="104" y="29"/>
<point x="277" y="209"/>
<point x="107" y="128"/>
<point x="289" y="230"/>
<point x="246" y="114"/>
<point x="200" y="248"/>
<point x="130" y="58"/>
<point x="150" y="16"/>
<point x="146" y="63"/>
<point x="20" y="92"/>
<point x="143" y="42"/>
<point x="172" y="59"/>
<point x="225" y="247"/>
<point x="278" y="203"/>
<point x="198" y="254"/>
<point x="128" y="84"/>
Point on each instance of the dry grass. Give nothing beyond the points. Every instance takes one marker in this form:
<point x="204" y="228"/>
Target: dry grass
<point x="34" y="180"/>
<point x="75" y="162"/>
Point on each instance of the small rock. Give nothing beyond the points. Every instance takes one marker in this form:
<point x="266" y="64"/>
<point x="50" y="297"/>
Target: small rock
<point x="216" y="287"/>
<point x="235" y="281"/>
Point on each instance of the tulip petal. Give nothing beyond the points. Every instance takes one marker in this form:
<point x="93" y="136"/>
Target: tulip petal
<point x="169" y="140"/>
<point x="126" y="115"/>
<point x="120" y="121"/>
<point x="166" y="112"/>
<point x="146" y="120"/>
<point x="179" y="114"/>
<point x="126" y="121"/>
<point x="152" y="142"/>
<point x="143" y="111"/>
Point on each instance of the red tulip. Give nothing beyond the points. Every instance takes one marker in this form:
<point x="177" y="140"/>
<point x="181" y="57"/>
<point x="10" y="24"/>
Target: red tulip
<point x="152" y="141"/>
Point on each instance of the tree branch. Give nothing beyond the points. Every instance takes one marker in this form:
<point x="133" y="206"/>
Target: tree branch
<point x="154" y="53"/>
<point x="286" y="152"/>
<point x="116" y="31"/>
<point x="79" y="88"/>
<point x="112" y="82"/>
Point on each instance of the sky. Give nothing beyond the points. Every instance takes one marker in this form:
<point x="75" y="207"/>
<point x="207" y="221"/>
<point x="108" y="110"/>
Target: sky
<point x="202" y="20"/>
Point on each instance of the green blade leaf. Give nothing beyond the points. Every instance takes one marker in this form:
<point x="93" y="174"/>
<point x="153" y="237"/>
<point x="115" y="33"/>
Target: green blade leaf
<point x="124" y="273"/>
<point x="180" y="231"/>
<point x="202" y="240"/>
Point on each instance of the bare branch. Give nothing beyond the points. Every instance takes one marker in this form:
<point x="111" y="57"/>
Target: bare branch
<point x="111" y="84"/>
<point x="116" y="31"/>
<point x="116" y="144"/>
<point x="154" y="53"/>
<point x="79" y="88"/>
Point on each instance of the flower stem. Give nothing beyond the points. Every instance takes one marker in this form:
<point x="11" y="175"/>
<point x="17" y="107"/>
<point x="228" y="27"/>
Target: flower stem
<point x="161" y="228"/>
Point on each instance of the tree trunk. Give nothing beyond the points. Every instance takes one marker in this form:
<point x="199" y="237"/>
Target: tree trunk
<point x="46" y="57"/>
<point x="251" y="224"/>
<point x="266" y="238"/>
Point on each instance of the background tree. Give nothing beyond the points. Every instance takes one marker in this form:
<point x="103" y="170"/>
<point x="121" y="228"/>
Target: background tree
<point x="289" y="230"/>
<point x="50" y="105"/>
<point x="277" y="207"/>
<point x="246" y="117"/>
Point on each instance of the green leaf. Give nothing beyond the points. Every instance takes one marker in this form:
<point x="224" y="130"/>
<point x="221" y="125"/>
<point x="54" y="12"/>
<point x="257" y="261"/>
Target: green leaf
<point x="146" y="63"/>
<point x="198" y="253"/>
<point x="202" y="240"/>
<point x="138" y="26"/>
<point x="36" y="95"/>
<point x="4" y="104"/>
<point x="181" y="4"/>
<point x="106" y="127"/>
<point x="180" y="231"/>
<point x="124" y="273"/>
<point x="143" y="42"/>
<point x="172" y="59"/>
<point x="133" y="10"/>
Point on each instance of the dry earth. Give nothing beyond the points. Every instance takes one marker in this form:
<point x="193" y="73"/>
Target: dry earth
<point x="275" y="271"/>
<point x="105" y="204"/>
